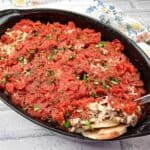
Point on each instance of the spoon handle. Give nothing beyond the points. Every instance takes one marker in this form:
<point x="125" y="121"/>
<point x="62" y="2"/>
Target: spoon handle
<point x="144" y="99"/>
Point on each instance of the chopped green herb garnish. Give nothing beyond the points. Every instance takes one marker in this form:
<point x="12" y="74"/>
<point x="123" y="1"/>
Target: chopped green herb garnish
<point x="48" y="37"/>
<point x="36" y="108"/>
<point x="67" y="124"/>
<point x="50" y="72"/>
<point x="88" y="124"/>
<point x="83" y="76"/>
<point x="86" y="78"/>
<point x="104" y="64"/>
<point x="50" y="57"/>
<point x="25" y="61"/>
<point x="5" y="77"/>
<point x="20" y="39"/>
<point x="61" y="48"/>
<point x="105" y="85"/>
<point x="54" y="30"/>
<point x="2" y="58"/>
<point x="101" y="44"/>
<point x="3" y="81"/>
<point x="96" y="82"/>
<point x="55" y="51"/>
<point x="114" y="80"/>
<point x="31" y="51"/>
<point x="72" y="57"/>
<point x="22" y="60"/>
<point x="27" y="72"/>
<point x="94" y="94"/>
<point x="51" y="81"/>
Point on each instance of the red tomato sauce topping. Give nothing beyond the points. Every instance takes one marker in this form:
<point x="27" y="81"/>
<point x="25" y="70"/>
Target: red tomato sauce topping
<point x="60" y="68"/>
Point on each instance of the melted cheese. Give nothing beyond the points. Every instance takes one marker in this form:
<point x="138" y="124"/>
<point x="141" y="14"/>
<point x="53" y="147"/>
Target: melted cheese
<point x="9" y="48"/>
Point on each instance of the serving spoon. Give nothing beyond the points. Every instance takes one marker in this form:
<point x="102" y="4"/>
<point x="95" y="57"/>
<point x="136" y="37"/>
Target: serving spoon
<point x="144" y="99"/>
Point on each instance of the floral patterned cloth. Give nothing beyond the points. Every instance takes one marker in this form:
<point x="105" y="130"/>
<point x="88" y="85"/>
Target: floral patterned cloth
<point x="108" y="14"/>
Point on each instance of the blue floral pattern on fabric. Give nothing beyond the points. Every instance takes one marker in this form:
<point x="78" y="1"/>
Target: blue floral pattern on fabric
<point x="108" y="14"/>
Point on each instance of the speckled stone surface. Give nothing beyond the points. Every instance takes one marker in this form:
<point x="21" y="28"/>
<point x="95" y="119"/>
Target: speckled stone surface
<point x="17" y="133"/>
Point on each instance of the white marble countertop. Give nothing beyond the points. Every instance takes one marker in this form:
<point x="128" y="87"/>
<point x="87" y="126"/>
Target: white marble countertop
<point x="17" y="133"/>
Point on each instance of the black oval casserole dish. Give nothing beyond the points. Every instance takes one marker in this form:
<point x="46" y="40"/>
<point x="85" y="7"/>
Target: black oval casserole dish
<point x="9" y="17"/>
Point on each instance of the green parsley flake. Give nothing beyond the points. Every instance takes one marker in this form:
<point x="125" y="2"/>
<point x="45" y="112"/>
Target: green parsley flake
<point x="86" y="78"/>
<point x="96" y="82"/>
<point x="2" y="58"/>
<point x="55" y="51"/>
<point x="51" y="56"/>
<point x="22" y="60"/>
<point x="48" y="37"/>
<point x="31" y="51"/>
<point x="27" y="72"/>
<point x="114" y="80"/>
<point x="51" y="81"/>
<point x="3" y="81"/>
<point x="88" y="124"/>
<point x="50" y="72"/>
<point x="94" y="94"/>
<point x="61" y="48"/>
<point x="5" y="77"/>
<point x="101" y="44"/>
<point x="105" y="85"/>
<point x="54" y="30"/>
<point x="36" y="108"/>
<point x="104" y="64"/>
<point x="67" y="124"/>
<point x="72" y="57"/>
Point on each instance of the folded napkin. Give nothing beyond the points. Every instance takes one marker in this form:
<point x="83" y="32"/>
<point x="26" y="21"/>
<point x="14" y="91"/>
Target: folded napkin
<point x="107" y="14"/>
